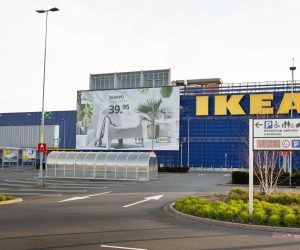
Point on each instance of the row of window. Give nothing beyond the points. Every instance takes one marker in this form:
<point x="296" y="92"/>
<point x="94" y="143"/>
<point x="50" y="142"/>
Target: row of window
<point x="129" y="80"/>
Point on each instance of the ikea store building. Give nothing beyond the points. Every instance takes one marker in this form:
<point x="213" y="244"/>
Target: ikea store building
<point x="196" y="123"/>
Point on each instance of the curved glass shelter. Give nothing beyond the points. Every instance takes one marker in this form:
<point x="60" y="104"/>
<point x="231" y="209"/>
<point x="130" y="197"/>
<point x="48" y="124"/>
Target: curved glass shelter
<point x="140" y="166"/>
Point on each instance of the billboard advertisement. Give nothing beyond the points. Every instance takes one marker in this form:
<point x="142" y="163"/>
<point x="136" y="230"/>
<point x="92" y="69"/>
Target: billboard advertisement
<point x="10" y="155"/>
<point x="128" y="119"/>
<point x="29" y="154"/>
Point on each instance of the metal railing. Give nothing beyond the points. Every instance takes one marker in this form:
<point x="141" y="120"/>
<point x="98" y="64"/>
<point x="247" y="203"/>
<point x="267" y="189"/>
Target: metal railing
<point x="241" y="88"/>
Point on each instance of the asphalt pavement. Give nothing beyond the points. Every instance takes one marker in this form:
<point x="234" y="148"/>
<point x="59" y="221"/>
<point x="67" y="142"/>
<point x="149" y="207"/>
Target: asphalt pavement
<point x="102" y="214"/>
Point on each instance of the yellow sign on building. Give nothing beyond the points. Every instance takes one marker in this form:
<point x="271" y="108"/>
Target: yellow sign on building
<point x="260" y="104"/>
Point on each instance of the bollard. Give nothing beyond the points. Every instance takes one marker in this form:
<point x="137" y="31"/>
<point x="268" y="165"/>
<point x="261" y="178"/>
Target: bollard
<point x="40" y="182"/>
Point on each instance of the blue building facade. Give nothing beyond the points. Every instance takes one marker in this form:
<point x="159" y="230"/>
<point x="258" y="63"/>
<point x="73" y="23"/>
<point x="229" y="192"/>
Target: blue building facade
<point x="216" y="141"/>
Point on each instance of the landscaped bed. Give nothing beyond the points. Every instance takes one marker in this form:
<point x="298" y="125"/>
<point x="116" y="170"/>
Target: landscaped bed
<point x="5" y="197"/>
<point x="281" y="209"/>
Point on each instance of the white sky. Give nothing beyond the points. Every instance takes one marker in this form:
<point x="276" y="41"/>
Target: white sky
<point x="235" y="40"/>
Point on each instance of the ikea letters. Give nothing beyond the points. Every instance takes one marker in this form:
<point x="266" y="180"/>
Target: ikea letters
<point x="260" y="104"/>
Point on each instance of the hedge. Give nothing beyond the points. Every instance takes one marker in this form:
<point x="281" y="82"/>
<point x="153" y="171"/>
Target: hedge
<point x="237" y="210"/>
<point x="174" y="169"/>
<point x="242" y="177"/>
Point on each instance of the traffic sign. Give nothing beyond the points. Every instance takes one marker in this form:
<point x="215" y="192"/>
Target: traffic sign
<point x="48" y="115"/>
<point x="285" y="153"/>
<point x="276" y="134"/>
<point x="42" y="147"/>
<point x="276" y="128"/>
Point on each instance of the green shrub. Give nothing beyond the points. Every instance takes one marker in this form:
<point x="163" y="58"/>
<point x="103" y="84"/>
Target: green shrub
<point x="228" y="215"/>
<point x="237" y="194"/>
<point x="289" y="220"/>
<point x="5" y="197"/>
<point x="272" y="214"/>
<point x="244" y="217"/>
<point x="286" y="198"/>
<point x="274" y="220"/>
<point x="259" y="216"/>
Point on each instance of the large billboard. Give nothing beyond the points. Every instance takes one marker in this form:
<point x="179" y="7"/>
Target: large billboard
<point x="128" y="119"/>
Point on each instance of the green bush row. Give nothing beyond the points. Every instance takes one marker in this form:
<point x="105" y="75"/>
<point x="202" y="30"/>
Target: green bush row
<point x="242" y="177"/>
<point x="286" y="198"/>
<point x="264" y="213"/>
<point x="174" y="169"/>
<point x="5" y="197"/>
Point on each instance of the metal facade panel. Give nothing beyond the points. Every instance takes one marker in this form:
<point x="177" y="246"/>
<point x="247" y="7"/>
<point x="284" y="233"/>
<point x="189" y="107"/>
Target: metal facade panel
<point x="66" y="120"/>
<point x="25" y="136"/>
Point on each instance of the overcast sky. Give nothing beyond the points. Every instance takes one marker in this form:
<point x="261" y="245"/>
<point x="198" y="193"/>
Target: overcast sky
<point x="235" y="40"/>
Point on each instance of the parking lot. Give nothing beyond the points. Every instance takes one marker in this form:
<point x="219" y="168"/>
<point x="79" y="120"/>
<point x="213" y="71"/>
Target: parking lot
<point x="102" y="214"/>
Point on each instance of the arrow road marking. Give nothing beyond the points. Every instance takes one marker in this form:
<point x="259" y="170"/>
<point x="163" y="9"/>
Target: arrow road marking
<point x="157" y="197"/>
<point x="83" y="197"/>
<point x="116" y="247"/>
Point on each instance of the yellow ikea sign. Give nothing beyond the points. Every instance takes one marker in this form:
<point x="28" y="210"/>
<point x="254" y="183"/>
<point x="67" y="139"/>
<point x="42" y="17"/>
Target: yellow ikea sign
<point x="260" y="104"/>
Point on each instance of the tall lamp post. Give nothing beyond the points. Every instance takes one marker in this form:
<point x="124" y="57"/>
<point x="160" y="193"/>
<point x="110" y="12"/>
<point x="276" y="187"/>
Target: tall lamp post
<point x="292" y="103"/>
<point x="44" y="77"/>
<point x="188" y="142"/>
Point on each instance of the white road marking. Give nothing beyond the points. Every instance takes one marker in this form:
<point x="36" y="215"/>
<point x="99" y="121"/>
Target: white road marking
<point x="227" y="174"/>
<point x="157" y="197"/>
<point x="29" y="194"/>
<point x="46" y="190"/>
<point x="83" y="197"/>
<point x="128" y="248"/>
<point x="20" y="181"/>
<point x="201" y="174"/>
<point x="12" y="185"/>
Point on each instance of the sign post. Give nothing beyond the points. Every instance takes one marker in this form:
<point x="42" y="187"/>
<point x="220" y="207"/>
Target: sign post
<point x="250" y="169"/>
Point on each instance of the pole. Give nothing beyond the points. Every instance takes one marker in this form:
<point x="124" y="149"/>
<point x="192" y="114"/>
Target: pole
<point x="188" y="163"/>
<point x="250" y="169"/>
<point x="43" y="101"/>
<point x="152" y="115"/>
<point x="292" y="109"/>
<point x="180" y="154"/>
<point x="42" y="129"/>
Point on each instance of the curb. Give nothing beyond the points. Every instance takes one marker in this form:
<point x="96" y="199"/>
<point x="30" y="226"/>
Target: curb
<point x="169" y="208"/>
<point x="16" y="200"/>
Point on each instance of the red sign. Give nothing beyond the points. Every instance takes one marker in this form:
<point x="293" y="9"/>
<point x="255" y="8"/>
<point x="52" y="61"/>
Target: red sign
<point x="285" y="153"/>
<point x="42" y="147"/>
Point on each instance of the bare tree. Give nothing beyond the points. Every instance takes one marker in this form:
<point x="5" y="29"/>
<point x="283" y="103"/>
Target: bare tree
<point x="266" y="171"/>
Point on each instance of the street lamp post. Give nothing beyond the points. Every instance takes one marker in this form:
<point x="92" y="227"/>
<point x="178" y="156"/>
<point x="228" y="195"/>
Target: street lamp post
<point x="44" y="78"/>
<point x="292" y="103"/>
<point x="188" y="142"/>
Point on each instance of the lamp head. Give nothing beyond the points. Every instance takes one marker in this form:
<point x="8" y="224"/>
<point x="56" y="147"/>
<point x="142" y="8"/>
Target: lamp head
<point x="54" y="9"/>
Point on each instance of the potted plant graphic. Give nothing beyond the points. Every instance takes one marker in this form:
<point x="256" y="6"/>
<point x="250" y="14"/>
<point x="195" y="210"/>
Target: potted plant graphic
<point x="150" y="111"/>
<point x="84" y="117"/>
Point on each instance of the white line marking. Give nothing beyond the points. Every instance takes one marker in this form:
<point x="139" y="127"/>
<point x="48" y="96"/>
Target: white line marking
<point x="129" y="248"/>
<point x="157" y="197"/>
<point x="201" y="174"/>
<point x="227" y="174"/>
<point x="30" y="194"/>
<point x="12" y="185"/>
<point x="20" y="181"/>
<point x="83" y="197"/>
